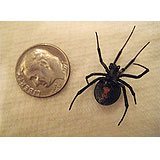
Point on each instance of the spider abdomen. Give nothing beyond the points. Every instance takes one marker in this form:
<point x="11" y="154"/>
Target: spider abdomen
<point x="105" y="93"/>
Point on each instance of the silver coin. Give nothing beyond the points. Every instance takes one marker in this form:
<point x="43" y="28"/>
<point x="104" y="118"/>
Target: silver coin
<point x="42" y="70"/>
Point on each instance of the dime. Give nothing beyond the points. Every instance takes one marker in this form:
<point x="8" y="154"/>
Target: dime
<point x="42" y="70"/>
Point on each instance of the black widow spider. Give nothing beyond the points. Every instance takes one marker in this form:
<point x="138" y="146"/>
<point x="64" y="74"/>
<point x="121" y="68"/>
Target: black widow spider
<point x="108" y="89"/>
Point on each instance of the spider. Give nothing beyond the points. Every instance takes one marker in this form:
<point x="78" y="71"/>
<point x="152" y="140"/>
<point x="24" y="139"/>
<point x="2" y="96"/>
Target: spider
<point x="109" y="85"/>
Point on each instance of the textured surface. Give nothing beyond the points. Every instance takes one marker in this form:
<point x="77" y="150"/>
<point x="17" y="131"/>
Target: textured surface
<point x="23" y="115"/>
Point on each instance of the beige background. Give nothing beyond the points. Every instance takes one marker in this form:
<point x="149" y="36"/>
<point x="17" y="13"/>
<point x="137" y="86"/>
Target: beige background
<point x="23" y="115"/>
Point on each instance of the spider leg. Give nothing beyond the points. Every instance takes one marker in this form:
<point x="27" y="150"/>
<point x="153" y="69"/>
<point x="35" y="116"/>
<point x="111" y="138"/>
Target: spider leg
<point x="126" y="104"/>
<point x="94" y="74"/>
<point x="120" y="52"/>
<point x="140" y="65"/>
<point x="130" y="88"/>
<point x="132" y="60"/>
<point x="83" y="89"/>
<point x="136" y="76"/>
<point x="100" y="56"/>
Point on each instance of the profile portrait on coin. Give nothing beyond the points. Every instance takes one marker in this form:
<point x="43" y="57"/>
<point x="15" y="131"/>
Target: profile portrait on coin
<point x="42" y="68"/>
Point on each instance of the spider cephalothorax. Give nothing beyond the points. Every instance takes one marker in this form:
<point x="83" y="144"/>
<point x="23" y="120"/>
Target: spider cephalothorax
<point x="109" y="84"/>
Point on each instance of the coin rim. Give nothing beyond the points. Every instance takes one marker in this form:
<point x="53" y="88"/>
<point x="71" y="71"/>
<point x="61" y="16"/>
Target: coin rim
<point x="44" y="44"/>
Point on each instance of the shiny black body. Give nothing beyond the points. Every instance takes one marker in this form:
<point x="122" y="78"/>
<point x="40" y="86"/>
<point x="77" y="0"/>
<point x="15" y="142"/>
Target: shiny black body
<point x="112" y="95"/>
<point x="109" y="84"/>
